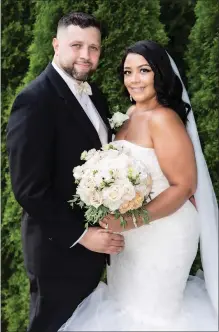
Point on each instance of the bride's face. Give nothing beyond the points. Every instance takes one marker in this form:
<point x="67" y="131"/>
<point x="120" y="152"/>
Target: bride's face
<point x="77" y="50"/>
<point x="139" y="78"/>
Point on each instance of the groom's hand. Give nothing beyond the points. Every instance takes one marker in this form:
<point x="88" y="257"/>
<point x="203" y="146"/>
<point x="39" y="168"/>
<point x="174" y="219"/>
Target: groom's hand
<point x="102" y="241"/>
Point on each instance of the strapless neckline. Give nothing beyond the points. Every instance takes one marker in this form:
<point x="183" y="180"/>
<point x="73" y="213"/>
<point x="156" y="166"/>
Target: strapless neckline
<point x="137" y="145"/>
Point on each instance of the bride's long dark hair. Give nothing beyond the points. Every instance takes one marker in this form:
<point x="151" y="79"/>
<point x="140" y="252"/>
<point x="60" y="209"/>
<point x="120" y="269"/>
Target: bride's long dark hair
<point x="167" y="84"/>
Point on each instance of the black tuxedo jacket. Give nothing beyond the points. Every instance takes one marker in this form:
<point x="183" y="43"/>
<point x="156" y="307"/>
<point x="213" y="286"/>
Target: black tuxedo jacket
<point x="46" y="134"/>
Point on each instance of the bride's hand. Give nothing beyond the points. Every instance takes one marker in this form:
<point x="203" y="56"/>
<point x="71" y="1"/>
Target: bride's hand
<point x="113" y="224"/>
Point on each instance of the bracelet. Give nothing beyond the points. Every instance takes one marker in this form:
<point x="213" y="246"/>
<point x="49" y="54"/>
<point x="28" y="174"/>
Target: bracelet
<point x="134" y="220"/>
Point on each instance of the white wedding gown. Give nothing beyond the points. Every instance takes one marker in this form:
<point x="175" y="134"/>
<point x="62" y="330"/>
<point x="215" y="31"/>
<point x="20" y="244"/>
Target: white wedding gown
<point x="148" y="284"/>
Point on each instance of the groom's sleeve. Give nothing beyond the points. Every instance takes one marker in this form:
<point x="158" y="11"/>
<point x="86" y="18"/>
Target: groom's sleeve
<point x="79" y="239"/>
<point x="30" y="144"/>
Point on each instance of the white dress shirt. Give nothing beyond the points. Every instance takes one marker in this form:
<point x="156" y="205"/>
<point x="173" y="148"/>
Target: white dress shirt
<point x="86" y="104"/>
<point x="89" y="109"/>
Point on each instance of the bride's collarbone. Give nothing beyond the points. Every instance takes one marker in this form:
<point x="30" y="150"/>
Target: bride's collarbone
<point x="134" y="132"/>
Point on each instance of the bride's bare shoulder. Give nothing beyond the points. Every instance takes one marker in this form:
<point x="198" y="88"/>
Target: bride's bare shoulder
<point x="130" y="110"/>
<point x="164" y="115"/>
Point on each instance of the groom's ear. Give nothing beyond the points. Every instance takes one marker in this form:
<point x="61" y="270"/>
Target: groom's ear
<point x="55" y="44"/>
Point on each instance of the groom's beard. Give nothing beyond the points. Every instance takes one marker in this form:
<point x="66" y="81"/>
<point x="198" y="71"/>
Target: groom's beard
<point x="78" y="75"/>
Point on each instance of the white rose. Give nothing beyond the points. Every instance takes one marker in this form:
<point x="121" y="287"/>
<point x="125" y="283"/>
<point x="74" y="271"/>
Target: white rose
<point x="106" y="174"/>
<point x="122" y="162"/>
<point x="109" y="154"/>
<point x="142" y="189"/>
<point x="78" y="172"/>
<point x="91" y="153"/>
<point x="96" y="199"/>
<point x="129" y="190"/>
<point x="94" y="160"/>
<point x="89" y="182"/>
<point x="112" y="196"/>
<point x="98" y="179"/>
<point x="145" y="186"/>
<point x="84" y="194"/>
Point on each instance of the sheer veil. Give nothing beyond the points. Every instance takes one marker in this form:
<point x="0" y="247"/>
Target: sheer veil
<point x="207" y="208"/>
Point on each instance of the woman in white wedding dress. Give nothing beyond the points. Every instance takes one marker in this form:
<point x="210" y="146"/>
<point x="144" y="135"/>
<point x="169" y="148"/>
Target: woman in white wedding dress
<point x="148" y="284"/>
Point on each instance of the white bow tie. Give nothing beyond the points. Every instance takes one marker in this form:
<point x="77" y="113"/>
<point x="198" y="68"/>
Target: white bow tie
<point x="83" y="87"/>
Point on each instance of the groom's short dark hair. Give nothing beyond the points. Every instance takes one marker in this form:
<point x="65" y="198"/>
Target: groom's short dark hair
<point x="83" y="20"/>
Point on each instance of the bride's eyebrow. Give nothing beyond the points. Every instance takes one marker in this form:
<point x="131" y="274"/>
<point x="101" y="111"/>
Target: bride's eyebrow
<point x="139" y="66"/>
<point x="144" y="65"/>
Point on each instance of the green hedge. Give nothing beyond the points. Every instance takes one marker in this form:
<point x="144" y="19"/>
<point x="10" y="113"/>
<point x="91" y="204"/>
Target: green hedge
<point x="17" y="22"/>
<point x="178" y="17"/>
<point x="203" y="74"/>
<point x="203" y="84"/>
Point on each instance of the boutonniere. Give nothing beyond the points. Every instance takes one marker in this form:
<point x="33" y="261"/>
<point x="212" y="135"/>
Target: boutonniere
<point x="117" y="120"/>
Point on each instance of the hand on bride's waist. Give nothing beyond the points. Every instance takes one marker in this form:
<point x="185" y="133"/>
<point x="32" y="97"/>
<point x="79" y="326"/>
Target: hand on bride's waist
<point x="103" y="241"/>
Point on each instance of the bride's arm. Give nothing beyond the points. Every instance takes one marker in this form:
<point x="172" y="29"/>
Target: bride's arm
<point x="175" y="154"/>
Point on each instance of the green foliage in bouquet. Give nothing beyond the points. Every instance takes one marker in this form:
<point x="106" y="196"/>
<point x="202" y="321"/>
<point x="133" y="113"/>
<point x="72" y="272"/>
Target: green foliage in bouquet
<point x="94" y="215"/>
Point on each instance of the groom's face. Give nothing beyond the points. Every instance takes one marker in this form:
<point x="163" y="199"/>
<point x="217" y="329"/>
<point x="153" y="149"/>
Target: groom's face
<point x="77" y="50"/>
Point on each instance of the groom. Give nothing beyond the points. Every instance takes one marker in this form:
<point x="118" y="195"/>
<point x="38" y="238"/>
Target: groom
<point x="53" y="120"/>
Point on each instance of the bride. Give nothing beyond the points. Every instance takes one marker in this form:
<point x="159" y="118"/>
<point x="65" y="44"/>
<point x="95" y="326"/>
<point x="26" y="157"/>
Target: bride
<point x="148" y="283"/>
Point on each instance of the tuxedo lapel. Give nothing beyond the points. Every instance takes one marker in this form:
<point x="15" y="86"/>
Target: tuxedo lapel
<point x="75" y="109"/>
<point x="97" y="103"/>
<point x="100" y="108"/>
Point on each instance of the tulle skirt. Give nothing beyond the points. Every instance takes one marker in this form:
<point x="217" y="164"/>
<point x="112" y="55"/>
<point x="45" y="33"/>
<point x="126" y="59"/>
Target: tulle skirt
<point x="100" y="312"/>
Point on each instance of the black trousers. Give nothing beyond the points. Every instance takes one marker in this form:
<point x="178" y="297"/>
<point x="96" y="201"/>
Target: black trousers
<point x="53" y="300"/>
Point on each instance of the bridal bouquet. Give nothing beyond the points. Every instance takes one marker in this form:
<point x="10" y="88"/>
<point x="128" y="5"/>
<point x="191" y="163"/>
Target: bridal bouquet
<point x="111" y="181"/>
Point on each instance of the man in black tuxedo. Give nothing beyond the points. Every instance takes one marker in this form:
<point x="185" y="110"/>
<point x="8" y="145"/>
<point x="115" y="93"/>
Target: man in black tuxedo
<point x="53" y="120"/>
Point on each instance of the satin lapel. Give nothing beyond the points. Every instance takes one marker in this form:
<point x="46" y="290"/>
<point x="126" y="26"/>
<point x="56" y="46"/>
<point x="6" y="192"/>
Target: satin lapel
<point x="100" y="108"/>
<point x="79" y="115"/>
<point x="74" y="107"/>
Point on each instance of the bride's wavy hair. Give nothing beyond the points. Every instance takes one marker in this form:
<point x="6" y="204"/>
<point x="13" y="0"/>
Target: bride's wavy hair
<point x="167" y="84"/>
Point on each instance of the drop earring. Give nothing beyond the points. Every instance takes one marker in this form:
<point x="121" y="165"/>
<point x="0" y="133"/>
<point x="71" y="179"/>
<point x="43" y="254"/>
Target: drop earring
<point x="130" y="97"/>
